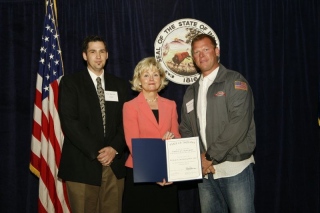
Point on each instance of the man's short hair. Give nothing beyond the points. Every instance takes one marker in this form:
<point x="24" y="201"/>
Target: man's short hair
<point x="92" y="38"/>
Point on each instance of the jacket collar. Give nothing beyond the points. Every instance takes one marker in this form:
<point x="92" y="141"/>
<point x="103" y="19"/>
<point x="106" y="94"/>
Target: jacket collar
<point x="144" y="106"/>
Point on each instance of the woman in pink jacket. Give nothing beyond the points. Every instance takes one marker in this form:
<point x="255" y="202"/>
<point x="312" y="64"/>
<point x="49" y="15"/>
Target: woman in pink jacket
<point x="149" y="116"/>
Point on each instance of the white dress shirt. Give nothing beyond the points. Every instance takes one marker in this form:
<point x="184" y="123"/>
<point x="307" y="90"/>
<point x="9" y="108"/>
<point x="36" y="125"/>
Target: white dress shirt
<point x="94" y="79"/>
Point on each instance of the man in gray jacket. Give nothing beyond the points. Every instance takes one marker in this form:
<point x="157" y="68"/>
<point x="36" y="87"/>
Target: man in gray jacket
<point x="218" y="108"/>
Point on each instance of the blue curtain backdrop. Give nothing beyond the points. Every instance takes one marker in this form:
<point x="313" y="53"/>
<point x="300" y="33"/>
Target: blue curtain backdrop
<point x="275" y="44"/>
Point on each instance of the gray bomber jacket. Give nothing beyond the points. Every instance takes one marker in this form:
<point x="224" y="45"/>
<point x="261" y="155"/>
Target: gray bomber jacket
<point x="230" y="129"/>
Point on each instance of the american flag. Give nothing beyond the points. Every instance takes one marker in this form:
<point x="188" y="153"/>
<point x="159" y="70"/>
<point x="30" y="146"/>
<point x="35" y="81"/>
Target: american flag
<point x="47" y="136"/>
<point x="240" y="85"/>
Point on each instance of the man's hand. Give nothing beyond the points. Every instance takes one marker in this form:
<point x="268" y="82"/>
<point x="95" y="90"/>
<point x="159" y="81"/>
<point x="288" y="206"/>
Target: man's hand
<point x="207" y="166"/>
<point x="106" y="155"/>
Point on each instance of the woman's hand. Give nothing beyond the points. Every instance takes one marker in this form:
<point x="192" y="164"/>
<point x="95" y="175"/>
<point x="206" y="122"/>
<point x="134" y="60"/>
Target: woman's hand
<point x="164" y="183"/>
<point x="168" y="135"/>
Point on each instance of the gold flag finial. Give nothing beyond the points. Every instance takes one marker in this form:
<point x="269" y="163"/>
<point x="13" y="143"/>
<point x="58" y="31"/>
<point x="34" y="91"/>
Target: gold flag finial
<point x="54" y="9"/>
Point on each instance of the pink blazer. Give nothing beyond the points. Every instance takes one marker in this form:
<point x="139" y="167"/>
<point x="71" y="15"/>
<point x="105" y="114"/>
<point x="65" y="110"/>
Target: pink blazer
<point x="140" y="122"/>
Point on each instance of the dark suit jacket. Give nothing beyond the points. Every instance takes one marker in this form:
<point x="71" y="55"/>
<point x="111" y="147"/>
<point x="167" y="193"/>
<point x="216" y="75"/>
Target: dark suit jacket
<point x="81" y="122"/>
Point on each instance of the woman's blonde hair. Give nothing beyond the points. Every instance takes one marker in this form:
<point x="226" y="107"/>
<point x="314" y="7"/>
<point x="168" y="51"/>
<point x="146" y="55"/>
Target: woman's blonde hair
<point x="145" y="64"/>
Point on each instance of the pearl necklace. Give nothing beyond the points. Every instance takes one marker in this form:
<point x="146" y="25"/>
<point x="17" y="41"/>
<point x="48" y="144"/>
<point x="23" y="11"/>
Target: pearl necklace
<point x="148" y="100"/>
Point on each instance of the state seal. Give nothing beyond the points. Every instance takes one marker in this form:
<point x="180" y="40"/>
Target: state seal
<point x="172" y="49"/>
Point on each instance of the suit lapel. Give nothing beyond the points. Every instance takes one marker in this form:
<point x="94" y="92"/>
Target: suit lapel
<point x="109" y="86"/>
<point x="92" y="99"/>
<point x="145" y="109"/>
<point x="195" y="101"/>
<point x="91" y="91"/>
<point x="163" y="111"/>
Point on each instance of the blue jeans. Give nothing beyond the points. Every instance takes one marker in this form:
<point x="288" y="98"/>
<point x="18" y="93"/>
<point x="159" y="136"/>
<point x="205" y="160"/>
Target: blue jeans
<point x="233" y="194"/>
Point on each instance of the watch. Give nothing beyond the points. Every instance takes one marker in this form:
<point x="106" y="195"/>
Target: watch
<point x="208" y="157"/>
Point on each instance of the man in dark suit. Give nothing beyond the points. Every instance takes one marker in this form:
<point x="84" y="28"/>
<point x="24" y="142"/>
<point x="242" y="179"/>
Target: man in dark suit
<point x="92" y="161"/>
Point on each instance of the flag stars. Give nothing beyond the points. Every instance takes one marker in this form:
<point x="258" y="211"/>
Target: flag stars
<point x="55" y="36"/>
<point x="46" y="88"/>
<point x="50" y="53"/>
<point x="48" y="27"/>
